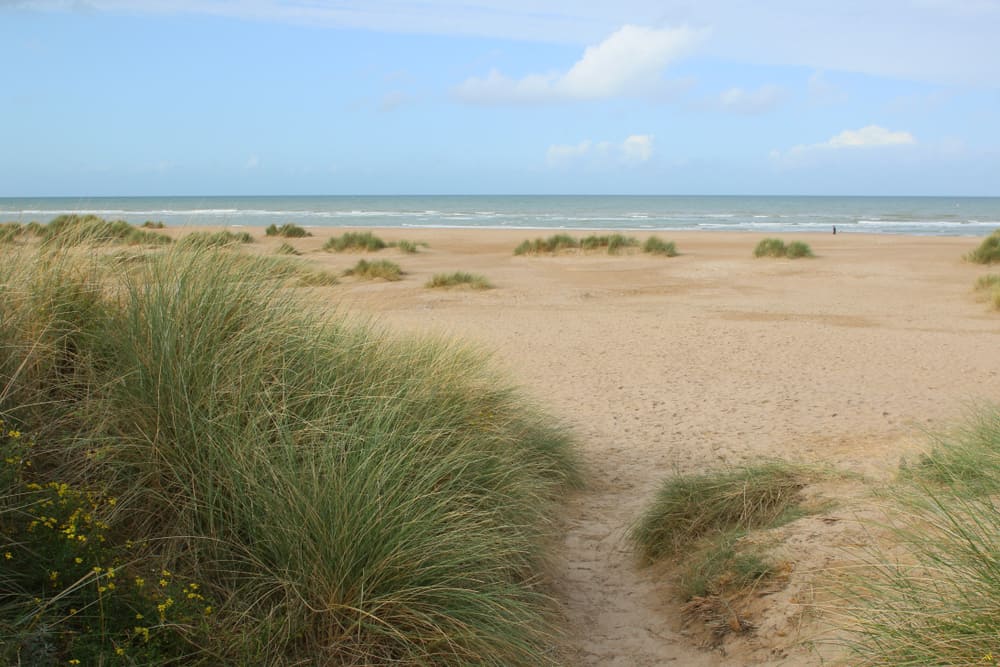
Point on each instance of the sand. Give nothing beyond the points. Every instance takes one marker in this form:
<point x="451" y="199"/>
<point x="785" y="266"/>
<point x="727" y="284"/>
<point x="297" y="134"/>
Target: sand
<point x="701" y="361"/>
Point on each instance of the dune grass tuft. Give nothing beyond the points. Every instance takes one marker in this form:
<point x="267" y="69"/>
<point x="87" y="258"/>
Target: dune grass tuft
<point x="932" y="595"/>
<point x="354" y="241"/>
<point x="149" y="224"/>
<point x="654" y="245"/>
<point x="988" y="251"/>
<point x="272" y="486"/>
<point x="777" y="248"/>
<point x="383" y="269"/>
<point x="459" y="279"/>
<point x="552" y="244"/>
<point x="288" y="230"/>
<point x="72" y="230"/>
<point x="989" y="288"/>
<point x="688" y="507"/>
<point x="11" y="232"/>
<point x="214" y="239"/>
<point x="612" y="242"/>
<point x="408" y="247"/>
<point x="701" y="523"/>
<point x="286" y="249"/>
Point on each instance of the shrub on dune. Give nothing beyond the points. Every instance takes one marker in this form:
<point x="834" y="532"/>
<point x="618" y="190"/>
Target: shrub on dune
<point x="770" y="248"/>
<point x="342" y="496"/>
<point x="797" y="249"/>
<point x="988" y="251"/>
<point x="552" y="244"/>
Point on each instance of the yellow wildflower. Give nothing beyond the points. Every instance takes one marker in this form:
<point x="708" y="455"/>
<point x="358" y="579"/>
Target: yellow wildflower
<point x="8" y="555"/>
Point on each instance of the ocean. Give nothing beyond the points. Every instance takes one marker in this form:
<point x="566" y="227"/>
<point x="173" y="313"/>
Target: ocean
<point x="923" y="216"/>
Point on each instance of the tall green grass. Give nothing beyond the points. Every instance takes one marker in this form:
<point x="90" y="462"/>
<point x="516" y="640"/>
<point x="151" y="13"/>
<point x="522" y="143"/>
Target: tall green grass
<point x="459" y="279"/>
<point x="988" y="250"/>
<point x="214" y="239"/>
<point x="777" y="248"/>
<point x="554" y="243"/>
<point x="72" y="230"/>
<point x="612" y="242"/>
<point x="288" y="230"/>
<point x="930" y="595"/>
<point x="654" y="245"/>
<point x="989" y="287"/>
<point x="344" y="497"/>
<point x="354" y="241"/>
<point x="382" y="268"/>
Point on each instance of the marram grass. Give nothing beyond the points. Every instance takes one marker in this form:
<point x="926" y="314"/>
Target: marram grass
<point x="342" y="496"/>
<point x="354" y="241"/>
<point x="288" y="230"/>
<point x="379" y="269"/>
<point x="931" y="595"/>
<point x="988" y="250"/>
<point x="654" y="245"/>
<point x="776" y="248"/>
<point x="459" y="279"/>
<point x="989" y="287"/>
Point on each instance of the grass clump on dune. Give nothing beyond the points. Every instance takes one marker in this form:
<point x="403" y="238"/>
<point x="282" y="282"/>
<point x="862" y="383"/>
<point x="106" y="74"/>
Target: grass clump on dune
<point x="287" y="249"/>
<point x="149" y="224"/>
<point x="700" y="524"/>
<point x="612" y="242"/>
<point x="408" y="247"/>
<point x="72" y="230"/>
<point x="382" y="268"/>
<point x="989" y="287"/>
<point x="289" y="230"/>
<point x="459" y="279"/>
<point x="552" y="244"/>
<point x="654" y="245"/>
<point x="354" y="241"/>
<point x="214" y="239"/>
<point x="777" y="248"/>
<point x="330" y="495"/>
<point x="988" y="251"/>
<point x="10" y="232"/>
<point x="932" y="595"/>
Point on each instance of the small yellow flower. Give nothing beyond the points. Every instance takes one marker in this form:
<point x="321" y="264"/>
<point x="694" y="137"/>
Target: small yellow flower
<point x="139" y="582"/>
<point x="77" y="560"/>
<point x="14" y="434"/>
<point x="208" y="610"/>
<point x="120" y="651"/>
<point x="163" y="583"/>
<point x="8" y="555"/>
<point x="139" y="617"/>
<point x="74" y="661"/>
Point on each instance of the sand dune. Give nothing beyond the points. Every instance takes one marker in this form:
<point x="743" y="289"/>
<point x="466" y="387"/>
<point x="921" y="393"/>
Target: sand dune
<point x="708" y="359"/>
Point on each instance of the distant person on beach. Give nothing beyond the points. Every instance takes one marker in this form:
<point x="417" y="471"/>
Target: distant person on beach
<point x="835" y="230"/>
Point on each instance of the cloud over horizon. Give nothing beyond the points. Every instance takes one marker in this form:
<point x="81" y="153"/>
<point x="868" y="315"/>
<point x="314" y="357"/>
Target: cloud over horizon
<point x="629" y="62"/>
<point x="867" y="137"/>
<point x="635" y="149"/>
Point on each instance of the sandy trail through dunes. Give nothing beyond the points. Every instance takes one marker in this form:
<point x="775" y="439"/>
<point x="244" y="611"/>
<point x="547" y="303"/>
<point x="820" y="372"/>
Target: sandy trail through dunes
<point x="708" y="359"/>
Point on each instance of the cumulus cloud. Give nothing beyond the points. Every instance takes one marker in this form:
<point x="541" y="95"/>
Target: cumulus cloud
<point x="868" y="137"/>
<point x="635" y="149"/>
<point x="627" y="63"/>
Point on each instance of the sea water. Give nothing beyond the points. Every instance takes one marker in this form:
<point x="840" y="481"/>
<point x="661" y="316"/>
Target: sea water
<point x="924" y="216"/>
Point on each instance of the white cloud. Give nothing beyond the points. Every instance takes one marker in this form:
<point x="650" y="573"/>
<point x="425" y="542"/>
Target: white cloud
<point x="635" y="149"/>
<point x="738" y="100"/>
<point x="628" y="62"/>
<point x="868" y="137"/>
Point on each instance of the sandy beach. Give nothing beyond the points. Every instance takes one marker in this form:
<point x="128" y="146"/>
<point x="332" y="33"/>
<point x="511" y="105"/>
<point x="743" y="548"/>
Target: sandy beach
<point x="697" y="362"/>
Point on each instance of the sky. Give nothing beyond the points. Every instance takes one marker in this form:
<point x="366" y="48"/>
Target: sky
<point x="287" y="97"/>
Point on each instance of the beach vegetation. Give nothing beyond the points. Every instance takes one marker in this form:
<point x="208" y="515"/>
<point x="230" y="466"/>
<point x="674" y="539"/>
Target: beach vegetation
<point x="11" y="232"/>
<point x="459" y="279"/>
<point x="702" y="526"/>
<point x="771" y="247"/>
<point x="286" y="249"/>
<point x="929" y="592"/>
<point x="988" y="250"/>
<point x="408" y="247"/>
<point x="288" y="230"/>
<point x="552" y="244"/>
<point x="989" y="288"/>
<point x="149" y="224"/>
<point x="654" y="245"/>
<point x="197" y="469"/>
<point x="72" y="230"/>
<point x="613" y="243"/>
<point x="353" y="242"/>
<point x="219" y="239"/>
<point x="379" y="269"/>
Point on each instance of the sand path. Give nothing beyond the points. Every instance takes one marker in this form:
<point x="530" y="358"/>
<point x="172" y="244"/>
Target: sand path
<point x="708" y="359"/>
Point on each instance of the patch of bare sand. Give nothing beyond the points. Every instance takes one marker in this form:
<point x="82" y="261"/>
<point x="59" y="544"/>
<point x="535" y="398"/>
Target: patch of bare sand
<point x="709" y="359"/>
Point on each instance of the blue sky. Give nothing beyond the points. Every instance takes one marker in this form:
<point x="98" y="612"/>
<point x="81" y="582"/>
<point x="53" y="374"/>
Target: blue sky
<point x="173" y="97"/>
